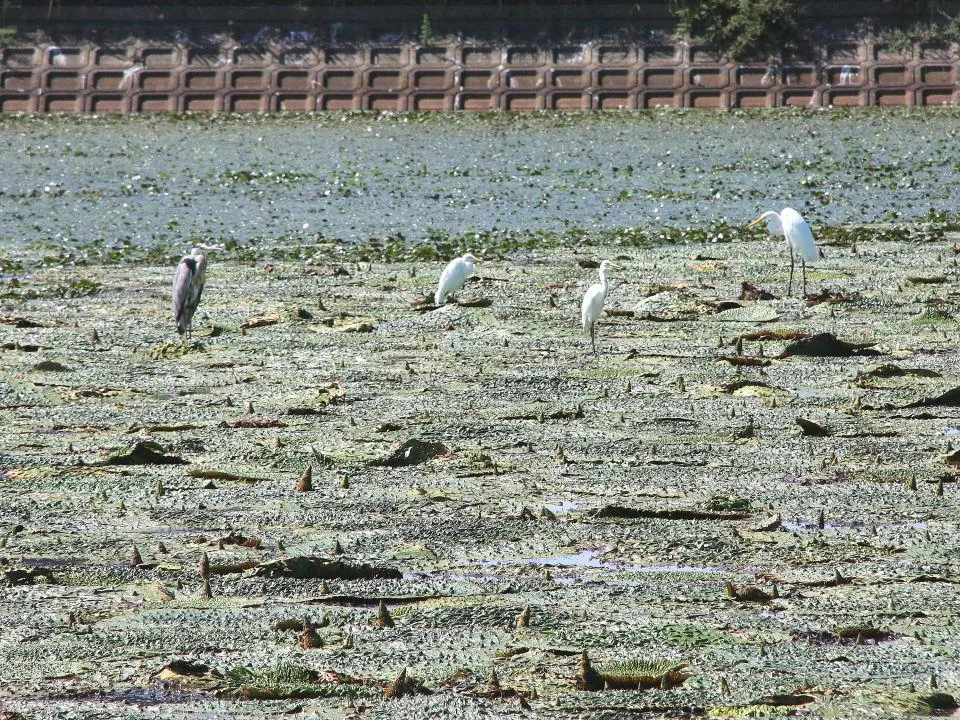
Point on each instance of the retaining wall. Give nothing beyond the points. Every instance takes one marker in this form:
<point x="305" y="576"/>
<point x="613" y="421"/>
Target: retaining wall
<point x="294" y="73"/>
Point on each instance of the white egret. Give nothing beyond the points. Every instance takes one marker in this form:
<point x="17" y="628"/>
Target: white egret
<point x="188" y="286"/>
<point x="453" y="277"/>
<point x="593" y="303"/>
<point x="797" y="233"/>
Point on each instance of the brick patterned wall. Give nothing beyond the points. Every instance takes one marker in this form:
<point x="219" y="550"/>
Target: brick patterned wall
<point x="156" y="77"/>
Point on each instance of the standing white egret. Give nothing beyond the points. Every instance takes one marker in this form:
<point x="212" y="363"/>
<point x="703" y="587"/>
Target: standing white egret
<point x="453" y="277"/>
<point x="188" y="286"/>
<point x="797" y="233"/>
<point x="593" y="303"/>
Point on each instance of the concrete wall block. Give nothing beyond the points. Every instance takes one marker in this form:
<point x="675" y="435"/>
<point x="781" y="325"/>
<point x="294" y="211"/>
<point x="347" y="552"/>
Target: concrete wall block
<point x="299" y="57"/>
<point x="939" y="51"/>
<point x="16" y="102"/>
<point x="480" y="56"/>
<point x="524" y="56"/>
<point x="146" y="102"/>
<point x="385" y="101"/>
<point x="799" y="98"/>
<point x="160" y="57"/>
<point x="393" y="56"/>
<point x="21" y="57"/>
<point x="510" y="100"/>
<point x="753" y="99"/>
<point x="338" y="101"/>
<point x="248" y="80"/>
<point x="64" y="80"/>
<point x="661" y="78"/>
<point x="113" y="57"/>
<point x="707" y="77"/>
<point x="614" y="100"/>
<point x="390" y="81"/>
<point x="937" y="96"/>
<point x="58" y="102"/>
<point x="202" y="80"/>
<point x="66" y="57"/>
<point x="611" y="79"/>
<point x="571" y="55"/>
<point x="660" y="99"/>
<point x="251" y="57"/>
<point x="340" y="80"/>
<point x="107" y="103"/>
<point x="427" y="101"/>
<point x="895" y="97"/>
<point x="568" y="100"/>
<point x="616" y="54"/>
<point x="844" y="97"/>
<point x="937" y="74"/>
<point x="158" y="80"/>
<point x="892" y="75"/>
<point x="342" y="56"/>
<point x="293" y="102"/>
<point x="201" y="102"/>
<point x="294" y="81"/>
<point x="19" y="81"/>
<point x="246" y="102"/>
<point x="569" y="78"/>
<point x="435" y="56"/>
<point x="431" y="80"/>
<point x="663" y="54"/>
<point x="526" y="79"/>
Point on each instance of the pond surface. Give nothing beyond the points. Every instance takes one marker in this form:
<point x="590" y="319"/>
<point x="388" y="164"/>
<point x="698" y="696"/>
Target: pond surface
<point x="265" y="180"/>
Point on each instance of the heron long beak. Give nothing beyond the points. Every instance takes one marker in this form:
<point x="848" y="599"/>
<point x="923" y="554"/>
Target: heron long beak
<point x="756" y="222"/>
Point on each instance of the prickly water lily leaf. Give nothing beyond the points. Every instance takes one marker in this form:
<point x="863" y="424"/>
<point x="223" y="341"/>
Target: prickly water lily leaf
<point x="620" y="511"/>
<point x="935" y="703"/>
<point x="190" y="674"/>
<point x="319" y="567"/>
<point x="50" y="366"/>
<point x="143" y="452"/>
<point x="169" y="350"/>
<point x="331" y="394"/>
<point x="26" y="576"/>
<point x="827" y="345"/>
<point x="636" y="675"/>
<point x="951" y="398"/>
<point x="287" y="680"/>
<point x="19" y="322"/>
<point x="260" y="321"/>
<point x="886" y="370"/>
<point x="812" y="429"/>
<point x="413" y="452"/>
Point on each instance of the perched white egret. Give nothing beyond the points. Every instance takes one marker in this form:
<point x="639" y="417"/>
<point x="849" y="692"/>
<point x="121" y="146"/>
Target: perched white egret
<point x="453" y="277"/>
<point x="593" y="303"/>
<point x="188" y="286"/>
<point x="795" y="229"/>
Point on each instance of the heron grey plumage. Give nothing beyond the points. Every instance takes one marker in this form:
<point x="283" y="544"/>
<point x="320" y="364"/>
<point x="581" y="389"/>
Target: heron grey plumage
<point x="188" y="286"/>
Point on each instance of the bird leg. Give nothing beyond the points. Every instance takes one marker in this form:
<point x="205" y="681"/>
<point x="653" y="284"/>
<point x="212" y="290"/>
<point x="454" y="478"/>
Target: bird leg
<point x="803" y="266"/>
<point x="790" y="286"/>
<point x="593" y="338"/>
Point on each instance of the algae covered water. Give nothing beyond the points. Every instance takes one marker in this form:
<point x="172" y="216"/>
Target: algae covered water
<point x="336" y="496"/>
<point x="260" y="181"/>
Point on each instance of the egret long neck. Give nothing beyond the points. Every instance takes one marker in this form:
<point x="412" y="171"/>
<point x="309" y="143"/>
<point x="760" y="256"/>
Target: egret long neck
<point x="603" y="279"/>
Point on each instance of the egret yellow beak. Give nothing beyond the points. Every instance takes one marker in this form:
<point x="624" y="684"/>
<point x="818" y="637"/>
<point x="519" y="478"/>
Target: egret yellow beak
<point x="756" y="222"/>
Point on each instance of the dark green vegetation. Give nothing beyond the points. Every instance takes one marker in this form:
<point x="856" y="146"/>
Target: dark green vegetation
<point x="741" y="508"/>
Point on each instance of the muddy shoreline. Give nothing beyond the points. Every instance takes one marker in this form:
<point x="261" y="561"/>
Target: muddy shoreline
<point x="656" y="506"/>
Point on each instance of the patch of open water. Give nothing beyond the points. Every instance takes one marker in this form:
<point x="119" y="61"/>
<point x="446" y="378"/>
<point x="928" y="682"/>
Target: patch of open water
<point x="591" y="559"/>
